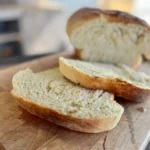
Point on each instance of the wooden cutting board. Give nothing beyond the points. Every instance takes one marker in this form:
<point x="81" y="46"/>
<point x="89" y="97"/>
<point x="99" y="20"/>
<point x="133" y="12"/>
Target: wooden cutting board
<point x="20" y="130"/>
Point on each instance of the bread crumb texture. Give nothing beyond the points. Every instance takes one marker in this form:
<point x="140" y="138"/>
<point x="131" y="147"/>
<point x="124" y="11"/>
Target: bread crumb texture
<point x="111" y="71"/>
<point x="50" y="89"/>
<point x="115" y="42"/>
<point x="141" y="109"/>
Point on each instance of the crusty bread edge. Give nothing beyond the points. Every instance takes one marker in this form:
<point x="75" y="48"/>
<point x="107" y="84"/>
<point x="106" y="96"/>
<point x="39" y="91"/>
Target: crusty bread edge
<point x="88" y="125"/>
<point x="84" y="15"/>
<point x="117" y="86"/>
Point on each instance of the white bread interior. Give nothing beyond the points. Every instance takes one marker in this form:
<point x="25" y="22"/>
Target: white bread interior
<point x="118" y="79"/>
<point x="88" y="110"/>
<point x="99" y="39"/>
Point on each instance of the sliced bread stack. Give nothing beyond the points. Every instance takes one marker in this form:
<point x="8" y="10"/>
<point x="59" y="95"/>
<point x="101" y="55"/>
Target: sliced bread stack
<point x="80" y="96"/>
<point x="118" y="79"/>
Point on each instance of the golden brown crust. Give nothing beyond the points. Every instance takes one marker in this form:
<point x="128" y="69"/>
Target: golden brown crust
<point x="78" y="53"/>
<point x="94" y="125"/>
<point x="118" y="87"/>
<point x="86" y="14"/>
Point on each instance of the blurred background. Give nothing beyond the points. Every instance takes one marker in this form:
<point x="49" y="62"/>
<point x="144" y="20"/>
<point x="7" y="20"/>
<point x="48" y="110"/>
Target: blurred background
<point x="34" y="28"/>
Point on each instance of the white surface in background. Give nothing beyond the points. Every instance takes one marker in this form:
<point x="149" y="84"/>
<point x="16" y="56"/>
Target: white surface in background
<point x="141" y="8"/>
<point x="52" y="35"/>
<point x="9" y="13"/>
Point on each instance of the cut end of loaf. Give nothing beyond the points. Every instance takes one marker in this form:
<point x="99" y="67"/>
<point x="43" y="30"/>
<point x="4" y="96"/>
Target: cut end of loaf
<point x="108" y="36"/>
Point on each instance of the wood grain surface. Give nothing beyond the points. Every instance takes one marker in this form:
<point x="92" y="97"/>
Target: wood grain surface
<point x="19" y="130"/>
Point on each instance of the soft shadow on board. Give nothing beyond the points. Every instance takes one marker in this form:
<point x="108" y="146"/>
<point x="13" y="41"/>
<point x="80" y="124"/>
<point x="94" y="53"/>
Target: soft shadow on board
<point x="124" y="101"/>
<point x="2" y="147"/>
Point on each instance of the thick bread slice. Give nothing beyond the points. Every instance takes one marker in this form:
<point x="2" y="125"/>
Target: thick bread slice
<point x="118" y="79"/>
<point x="50" y="96"/>
<point x="109" y="36"/>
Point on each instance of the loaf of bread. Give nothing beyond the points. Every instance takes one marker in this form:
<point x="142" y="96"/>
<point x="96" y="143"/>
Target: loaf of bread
<point x="109" y="36"/>
<point x="118" y="79"/>
<point x="50" y="96"/>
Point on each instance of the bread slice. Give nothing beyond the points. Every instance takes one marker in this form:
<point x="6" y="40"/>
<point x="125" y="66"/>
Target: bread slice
<point x="118" y="79"/>
<point x="109" y="36"/>
<point x="50" y="96"/>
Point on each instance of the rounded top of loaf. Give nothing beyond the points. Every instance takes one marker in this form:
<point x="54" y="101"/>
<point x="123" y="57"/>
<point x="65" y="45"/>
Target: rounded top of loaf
<point x="84" y="15"/>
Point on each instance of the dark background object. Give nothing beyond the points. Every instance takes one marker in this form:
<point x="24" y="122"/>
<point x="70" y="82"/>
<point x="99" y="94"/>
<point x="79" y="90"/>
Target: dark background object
<point x="10" y="49"/>
<point x="9" y="26"/>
